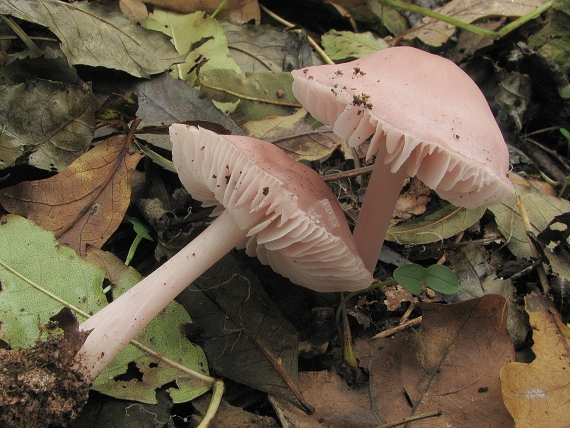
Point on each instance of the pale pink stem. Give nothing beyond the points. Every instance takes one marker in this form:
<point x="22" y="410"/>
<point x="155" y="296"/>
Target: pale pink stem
<point x="376" y="212"/>
<point x="118" y="323"/>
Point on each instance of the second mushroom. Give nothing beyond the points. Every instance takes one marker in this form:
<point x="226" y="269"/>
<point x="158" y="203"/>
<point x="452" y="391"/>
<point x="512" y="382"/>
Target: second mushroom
<point x="426" y="118"/>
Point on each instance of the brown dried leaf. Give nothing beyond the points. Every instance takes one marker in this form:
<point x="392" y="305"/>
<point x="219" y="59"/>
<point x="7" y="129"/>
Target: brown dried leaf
<point x="451" y="364"/>
<point x="335" y="403"/>
<point x="83" y="204"/>
<point x="536" y="394"/>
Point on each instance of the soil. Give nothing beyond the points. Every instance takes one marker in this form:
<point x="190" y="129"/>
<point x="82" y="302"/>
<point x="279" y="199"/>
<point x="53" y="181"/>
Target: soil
<point x="40" y="387"/>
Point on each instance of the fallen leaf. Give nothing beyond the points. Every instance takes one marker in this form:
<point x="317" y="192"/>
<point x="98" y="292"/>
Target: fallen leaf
<point x="413" y="201"/>
<point x="435" y="32"/>
<point x="347" y="45"/>
<point x="536" y="394"/>
<point x="297" y="138"/>
<point x="470" y="264"/>
<point x="86" y="202"/>
<point x="553" y="39"/>
<point x="268" y="48"/>
<point x="336" y="404"/>
<point x="451" y="364"/>
<point x="99" y="37"/>
<point x="246" y="338"/>
<point x="230" y="416"/>
<point x="541" y="210"/>
<point x="260" y="94"/>
<point x="44" y="124"/>
<point x="442" y="224"/>
<point x="198" y="36"/>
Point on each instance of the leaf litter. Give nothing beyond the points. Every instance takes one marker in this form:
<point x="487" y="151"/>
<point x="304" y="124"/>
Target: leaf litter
<point x="422" y="239"/>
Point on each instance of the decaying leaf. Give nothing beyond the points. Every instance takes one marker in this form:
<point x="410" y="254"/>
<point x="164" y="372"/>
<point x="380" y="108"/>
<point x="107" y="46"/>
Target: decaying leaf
<point x="451" y="364"/>
<point x="442" y="224"/>
<point x="536" y="394"/>
<point x="86" y="202"/>
<point x="268" y="48"/>
<point x="435" y="32"/>
<point x="346" y="45"/>
<point x="295" y="136"/>
<point x="99" y="37"/>
<point x="336" y="404"/>
<point x="44" y="124"/>
<point x="541" y="210"/>
<point x="260" y="94"/>
<point x="246" y="338"/>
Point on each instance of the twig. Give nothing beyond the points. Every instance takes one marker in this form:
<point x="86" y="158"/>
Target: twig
<point x="348" y="174"/>
<point x="411" y="419"/>
<point x="393" y="330"/>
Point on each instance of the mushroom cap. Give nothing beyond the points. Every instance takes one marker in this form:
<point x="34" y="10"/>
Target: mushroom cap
<point x="291" y="219"/>
<point x="420" y="108"/>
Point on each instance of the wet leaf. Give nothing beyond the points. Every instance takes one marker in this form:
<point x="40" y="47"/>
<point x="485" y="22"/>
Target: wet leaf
<point x="541" y="210"/>
<point x="346" y="45"/>
<point x="260" y="94"/>
<point x="86" y="202"/>
<point x="536" y="394"/>
<point x="295" y="136"/>
<point x="99" y="37"/>
<point x="435" y="32"/>
<point x="199" y="36"/>
<point x="451" y="364"/>
<point x="442" y="224"/>
<point x="44" y="124"/>
<point x="246" y="338"/>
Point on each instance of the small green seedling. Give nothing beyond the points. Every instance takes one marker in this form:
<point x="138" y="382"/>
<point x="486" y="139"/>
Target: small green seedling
<point x="437" y="277"/>
<point x="142" y="232"/>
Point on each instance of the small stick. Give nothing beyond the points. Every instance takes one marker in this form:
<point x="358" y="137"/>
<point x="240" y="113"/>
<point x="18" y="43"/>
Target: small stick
<point x="389" y="332"/>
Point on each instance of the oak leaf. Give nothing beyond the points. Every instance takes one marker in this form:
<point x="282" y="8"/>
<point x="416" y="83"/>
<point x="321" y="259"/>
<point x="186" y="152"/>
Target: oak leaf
<point x="536" y="394"/>
<point x="85" y="203"/>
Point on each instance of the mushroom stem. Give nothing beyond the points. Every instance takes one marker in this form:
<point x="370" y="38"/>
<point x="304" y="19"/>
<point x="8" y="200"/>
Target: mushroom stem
<point x="376" y="211"/>
<point x="119" y="322"/>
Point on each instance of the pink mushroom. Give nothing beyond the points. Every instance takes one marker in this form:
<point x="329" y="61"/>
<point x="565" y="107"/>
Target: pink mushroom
<point x="279" y="209"/>
<point x="426" y="118"/>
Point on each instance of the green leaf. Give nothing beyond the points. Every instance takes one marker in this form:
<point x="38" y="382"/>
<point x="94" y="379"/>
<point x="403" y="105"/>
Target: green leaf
<point x="441" y="279"/>
<point x="442" y="224"/>
<point x="35" y="255"/>
<point x="410" y="277"/>
<point x="45" y="124"/>
<point x="347" y="45"/>
<point x="97" y="36"/>
<point x="196" y="35"/>
<point x="260" y="94"/>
